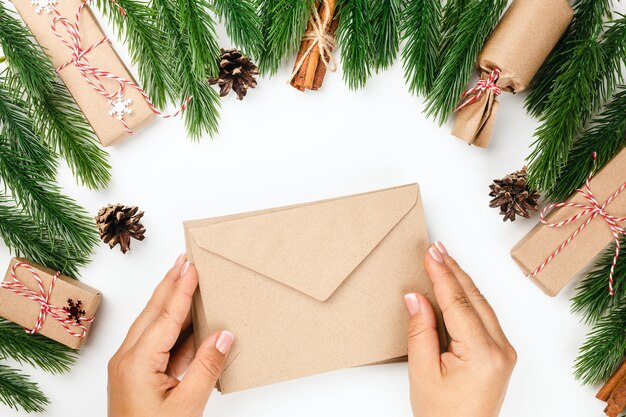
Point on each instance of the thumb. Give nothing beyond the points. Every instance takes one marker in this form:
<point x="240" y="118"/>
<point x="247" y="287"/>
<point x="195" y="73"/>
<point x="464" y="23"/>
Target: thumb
<point x="424" y="350"/>
<point x="198" y="384"/>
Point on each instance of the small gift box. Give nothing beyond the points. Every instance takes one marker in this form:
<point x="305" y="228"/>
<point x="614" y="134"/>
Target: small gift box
<point x="509" y="60"/>
<point x="576" y="231"/>
<point x="89" y="66"/>
<point x="48" y="303"/>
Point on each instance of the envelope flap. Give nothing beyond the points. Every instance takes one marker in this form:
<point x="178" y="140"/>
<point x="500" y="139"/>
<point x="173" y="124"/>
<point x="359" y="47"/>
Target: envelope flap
<point x="311" y="248"/>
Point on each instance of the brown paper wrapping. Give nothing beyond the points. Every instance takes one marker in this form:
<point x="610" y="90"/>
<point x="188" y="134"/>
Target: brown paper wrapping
<point x="94" y="106"/>
<point x="542" y="241"/>
<point x="22" y="311"/>
<point x="519" y="45"/>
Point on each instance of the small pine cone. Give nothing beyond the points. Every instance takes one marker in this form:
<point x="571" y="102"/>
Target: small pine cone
<point x="512" y="195"/>
<point x="118" y="224"/>
<point x="237" y="72"/>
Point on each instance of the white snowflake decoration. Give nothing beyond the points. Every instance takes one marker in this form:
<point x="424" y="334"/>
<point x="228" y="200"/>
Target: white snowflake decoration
<point x="43" y="5"/>
<point x="120" y="107"/>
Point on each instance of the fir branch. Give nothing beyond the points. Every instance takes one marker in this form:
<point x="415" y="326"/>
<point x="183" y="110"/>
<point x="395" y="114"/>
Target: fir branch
<point x="604" y="348"/>
<point x="34" y="350"/>
<point x="587" y="79"/>
<point x="606" y="137"/>
<point x="243" y="24"/>
<point x="284" y="22"/>
<point x="385" y="21"/>
<point x="450" y="18"/>
<point x="592" y="294"/>
<point x="422" y="36"/>
<point x="201" y="114"/>
<point x="53" y="111"/>
<point x="17" y="391"/>
<point x="588" y="19"/>
<point x="148" y="45"/>
<point x="26" y="238"/>
<point x="466" y="40"/>
<point x="354" y="35"/>
<point x="198" y="29"/>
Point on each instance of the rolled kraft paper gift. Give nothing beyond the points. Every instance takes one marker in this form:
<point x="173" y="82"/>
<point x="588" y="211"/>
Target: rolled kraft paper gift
<point x="94" y="106"/>
<point x="518" y="46"/>
<point x="538" y="247"/>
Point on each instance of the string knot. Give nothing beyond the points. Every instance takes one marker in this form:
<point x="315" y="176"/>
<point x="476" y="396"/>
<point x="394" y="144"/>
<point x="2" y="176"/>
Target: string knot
<point x="472" y="95"/>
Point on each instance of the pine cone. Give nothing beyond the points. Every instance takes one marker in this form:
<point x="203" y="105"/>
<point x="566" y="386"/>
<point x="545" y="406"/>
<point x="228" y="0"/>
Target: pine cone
<point x="513" y="196"/>
<point x="237" y="72"/>
<point x="118" y="223"/>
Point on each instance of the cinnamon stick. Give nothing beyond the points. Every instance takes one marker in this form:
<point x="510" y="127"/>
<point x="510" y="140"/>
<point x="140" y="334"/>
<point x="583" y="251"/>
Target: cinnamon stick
<point x="327" y="12"/>
<point x="320" y="72"/>
<point x="298" y="80"/>
<point x="617" y="400"/>
<point x="612" y="383"/>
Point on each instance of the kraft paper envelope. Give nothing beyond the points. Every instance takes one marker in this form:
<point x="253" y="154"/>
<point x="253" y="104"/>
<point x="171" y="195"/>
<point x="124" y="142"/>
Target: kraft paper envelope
<point x="310" y="288"/>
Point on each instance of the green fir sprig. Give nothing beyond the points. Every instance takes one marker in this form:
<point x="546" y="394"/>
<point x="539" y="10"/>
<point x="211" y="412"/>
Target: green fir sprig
<point x="606" y="136"/>
<point x="19" y="392"/>
<point x="355" y="35"/>
<point x="421" y="33"/>
<point x="197" y="27"/>
<point x="385" y="18"/>
<point x="242" y="20"/>
<point x="466" y="40"/>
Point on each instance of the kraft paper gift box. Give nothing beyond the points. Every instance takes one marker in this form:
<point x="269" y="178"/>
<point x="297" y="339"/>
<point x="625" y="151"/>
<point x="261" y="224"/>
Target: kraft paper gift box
<point x="310" y="288"/>
<point x="518" y="46"/>
<point x="542" y="241"/>
<point x="94" y="106"/>
<point x="23" y="311"/>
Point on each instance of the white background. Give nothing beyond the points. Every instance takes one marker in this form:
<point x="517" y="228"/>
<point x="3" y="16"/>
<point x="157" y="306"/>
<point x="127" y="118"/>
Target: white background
<point x="280" y="146"/>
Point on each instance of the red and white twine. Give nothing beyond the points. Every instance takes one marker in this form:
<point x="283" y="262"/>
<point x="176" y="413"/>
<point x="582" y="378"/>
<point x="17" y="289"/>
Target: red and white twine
<point x="594" y="209"/>
<point x="93" y="76"/>
<point x="472" y="95"/>
<point x="60" y="314"/>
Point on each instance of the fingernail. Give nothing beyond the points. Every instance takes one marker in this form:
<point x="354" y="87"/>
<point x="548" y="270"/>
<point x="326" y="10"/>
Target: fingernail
<point x="181" y="258"/>
<point x="412" y="303"/>
<point x="185" y="268"/>
<point x="441" y="248"/>
<point x="434" y="253"/>
<point x="224" y="341"/>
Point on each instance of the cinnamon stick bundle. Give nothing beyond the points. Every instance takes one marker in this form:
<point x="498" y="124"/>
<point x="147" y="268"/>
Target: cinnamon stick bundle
<point x="614" y="392"/>
<point x="315" y="54"/>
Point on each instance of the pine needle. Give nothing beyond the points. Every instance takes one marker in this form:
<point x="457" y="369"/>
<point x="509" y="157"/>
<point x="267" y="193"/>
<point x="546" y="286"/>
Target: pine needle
<point x="18" y="392"/>
<point x="588" y="18"/>
<point x="198" y="29"/>
<point x="284" y="23"/>
<point x="606" y="137"/>
<point x="422" y="36"/>
<point x="243" y="24"/>
<point x="354" y="35"/>
<point x="466" y="41"/>
<point x="451" y="16"/>
<point x="604" y="348"/>
<point x="385" y="23"/>
<point x="34" y="350"/>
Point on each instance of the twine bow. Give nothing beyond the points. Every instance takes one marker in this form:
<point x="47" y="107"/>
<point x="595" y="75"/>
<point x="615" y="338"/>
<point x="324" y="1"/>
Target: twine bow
<point x="318" y="36"/>
<point x="594" y="209"/>
<point x="60" y="314"/>
<point x="472" y="95"/>
<point x="92" y="75"/>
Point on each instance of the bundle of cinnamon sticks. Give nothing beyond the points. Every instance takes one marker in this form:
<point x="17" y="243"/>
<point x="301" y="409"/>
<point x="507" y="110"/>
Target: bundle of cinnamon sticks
<point x="614" y="392"/>
<point x="314" y="56"/>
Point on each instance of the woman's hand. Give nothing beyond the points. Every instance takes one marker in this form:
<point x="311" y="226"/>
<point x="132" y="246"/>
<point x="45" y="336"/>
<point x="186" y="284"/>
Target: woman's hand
<point x="144" y="373"/>
<point x="471" y="378"/>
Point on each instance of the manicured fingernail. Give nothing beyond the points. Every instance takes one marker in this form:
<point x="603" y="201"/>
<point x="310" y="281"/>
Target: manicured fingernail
<point x="224" y="341"/>
<point x="441" y="248"/>
<point x="181" y="258"/>
<point x="434" y="253"/>
<point x="412" y="303"/>
<point x="185" y="268"/>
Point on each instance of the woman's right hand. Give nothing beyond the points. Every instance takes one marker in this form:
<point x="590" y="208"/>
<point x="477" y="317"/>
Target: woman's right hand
<point x="470" y="379"/>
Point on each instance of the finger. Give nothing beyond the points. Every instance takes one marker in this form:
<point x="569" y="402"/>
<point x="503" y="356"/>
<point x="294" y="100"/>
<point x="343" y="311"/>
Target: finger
<point x="201" y="378"/>
<point x="181" y="357"/>
<point x="424" y="356"/>
<point x="461" y="319"/>
<point x="480" y="303"/>
<point x="161" y="335"/>
<point x="155" y="304"/>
